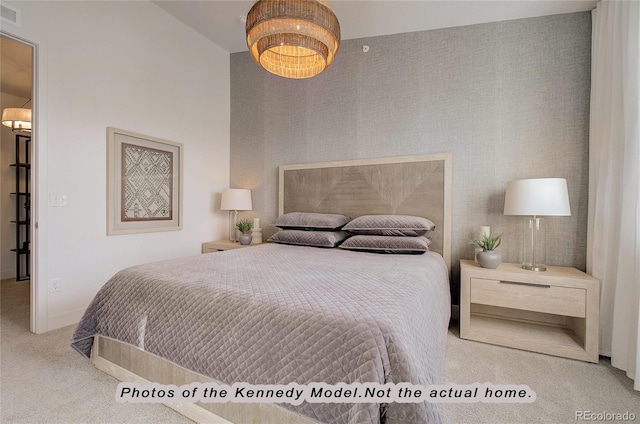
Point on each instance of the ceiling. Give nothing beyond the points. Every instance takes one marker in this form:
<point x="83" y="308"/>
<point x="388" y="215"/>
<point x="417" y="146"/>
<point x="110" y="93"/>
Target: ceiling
<point x="220" y="21"/>
<point x="15" y="67"/>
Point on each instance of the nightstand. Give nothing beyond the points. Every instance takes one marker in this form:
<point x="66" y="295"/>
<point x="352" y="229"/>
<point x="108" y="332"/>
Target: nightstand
<point x="220" y="245"/>
<point x="553" y="312"/>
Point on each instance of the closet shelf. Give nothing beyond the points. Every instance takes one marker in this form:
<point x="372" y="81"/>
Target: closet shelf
<point x="22" y="218"/>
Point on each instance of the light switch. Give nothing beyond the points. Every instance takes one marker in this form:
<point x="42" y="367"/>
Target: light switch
<point x="58" y="200"/>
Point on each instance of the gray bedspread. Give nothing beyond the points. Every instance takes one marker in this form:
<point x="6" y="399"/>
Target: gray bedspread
<point x="275" y="314"/>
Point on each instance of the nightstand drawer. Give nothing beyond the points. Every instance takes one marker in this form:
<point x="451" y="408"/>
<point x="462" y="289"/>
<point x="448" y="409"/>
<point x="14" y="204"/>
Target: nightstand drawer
<point x="567" y="301"/>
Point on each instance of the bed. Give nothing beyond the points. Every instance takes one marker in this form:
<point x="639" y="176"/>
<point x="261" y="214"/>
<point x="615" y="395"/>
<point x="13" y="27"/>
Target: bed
<point x="276" y="314"/>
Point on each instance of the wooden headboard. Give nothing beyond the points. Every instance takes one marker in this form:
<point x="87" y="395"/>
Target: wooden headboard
<point x="408" y="185"/>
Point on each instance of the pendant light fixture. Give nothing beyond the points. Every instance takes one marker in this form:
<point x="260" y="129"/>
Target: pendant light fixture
<point x="17" y="118"/>
<point x="293" y="38"/>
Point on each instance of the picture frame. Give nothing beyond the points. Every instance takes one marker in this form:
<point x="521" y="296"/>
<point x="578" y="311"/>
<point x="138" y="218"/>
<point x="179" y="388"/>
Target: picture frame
<point x="144" y="183"/>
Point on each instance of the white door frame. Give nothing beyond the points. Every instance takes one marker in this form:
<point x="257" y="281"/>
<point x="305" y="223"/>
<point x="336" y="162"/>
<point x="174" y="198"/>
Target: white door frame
<point x="39" y="204"/>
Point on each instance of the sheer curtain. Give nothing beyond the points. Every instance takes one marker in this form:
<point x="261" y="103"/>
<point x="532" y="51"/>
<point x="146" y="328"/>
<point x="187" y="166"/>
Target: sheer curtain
<point x="613" y="248"/>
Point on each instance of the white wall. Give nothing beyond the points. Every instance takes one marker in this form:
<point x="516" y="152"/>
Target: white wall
<point x="132" y="66"/>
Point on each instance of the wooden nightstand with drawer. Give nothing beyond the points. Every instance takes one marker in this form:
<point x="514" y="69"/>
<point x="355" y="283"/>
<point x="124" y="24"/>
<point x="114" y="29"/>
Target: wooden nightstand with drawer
<point x="553" y="312"/>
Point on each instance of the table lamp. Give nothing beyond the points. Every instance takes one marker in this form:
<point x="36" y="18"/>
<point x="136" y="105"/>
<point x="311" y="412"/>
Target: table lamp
<point x="535" y="199"/>
<point x="234" y="200"/>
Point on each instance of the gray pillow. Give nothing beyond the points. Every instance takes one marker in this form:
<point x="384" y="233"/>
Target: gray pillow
<point x="390" y="225"/>
<point x="311" y="221"/>
<point x="309" y="238"/>
<point x="387" y="244"/>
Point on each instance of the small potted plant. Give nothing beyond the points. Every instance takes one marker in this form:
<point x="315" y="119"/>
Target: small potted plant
<point x="488" y="258"/>
<point x="244" y="226"/>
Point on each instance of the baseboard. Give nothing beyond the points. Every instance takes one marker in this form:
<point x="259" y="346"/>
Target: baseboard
<point x="8" y="274"/>
<point x="62" y="320"/>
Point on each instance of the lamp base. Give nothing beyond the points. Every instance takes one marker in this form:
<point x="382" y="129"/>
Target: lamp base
<point x="534" y="245"/>
<point x="233" y="219"/>
<point x="534" y="268"/>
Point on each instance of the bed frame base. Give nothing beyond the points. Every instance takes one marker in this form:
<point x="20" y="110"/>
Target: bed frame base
<point x="132" y="364"/>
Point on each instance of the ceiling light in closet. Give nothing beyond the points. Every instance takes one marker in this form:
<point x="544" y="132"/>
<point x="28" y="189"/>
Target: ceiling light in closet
<point x="17" y="118"/>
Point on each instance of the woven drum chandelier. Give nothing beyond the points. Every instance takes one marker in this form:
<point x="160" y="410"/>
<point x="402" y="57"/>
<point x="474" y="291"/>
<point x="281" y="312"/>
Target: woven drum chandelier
<point x="293" y="38"/>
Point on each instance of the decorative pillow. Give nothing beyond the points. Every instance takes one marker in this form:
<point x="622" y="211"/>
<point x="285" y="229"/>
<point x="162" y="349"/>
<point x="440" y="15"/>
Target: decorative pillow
<point x="387" y="244"/>
<point x="390" y="225"/>
<point x="309" y="238"/>
<point x="311" y="221"/>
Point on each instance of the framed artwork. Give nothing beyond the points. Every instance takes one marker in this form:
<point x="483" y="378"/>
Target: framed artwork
<point x="144" y="183"/>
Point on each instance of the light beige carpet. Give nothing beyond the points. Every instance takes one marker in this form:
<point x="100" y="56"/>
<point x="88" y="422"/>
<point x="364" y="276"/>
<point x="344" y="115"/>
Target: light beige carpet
<point x="43" y="380"/>
<point x="563" y="386"/>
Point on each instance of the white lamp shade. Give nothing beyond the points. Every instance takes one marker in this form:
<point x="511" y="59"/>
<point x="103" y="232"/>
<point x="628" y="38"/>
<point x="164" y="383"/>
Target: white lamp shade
<point x="537" y="197"/>
<point x="236" y="199"/>
<point x="16" y="118"/>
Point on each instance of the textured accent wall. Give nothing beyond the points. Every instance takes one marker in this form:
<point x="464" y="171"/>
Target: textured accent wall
<point x="509" y="99"/>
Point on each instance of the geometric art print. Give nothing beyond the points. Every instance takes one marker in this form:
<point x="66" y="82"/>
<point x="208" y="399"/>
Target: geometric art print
<point x="147" y="184"/>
